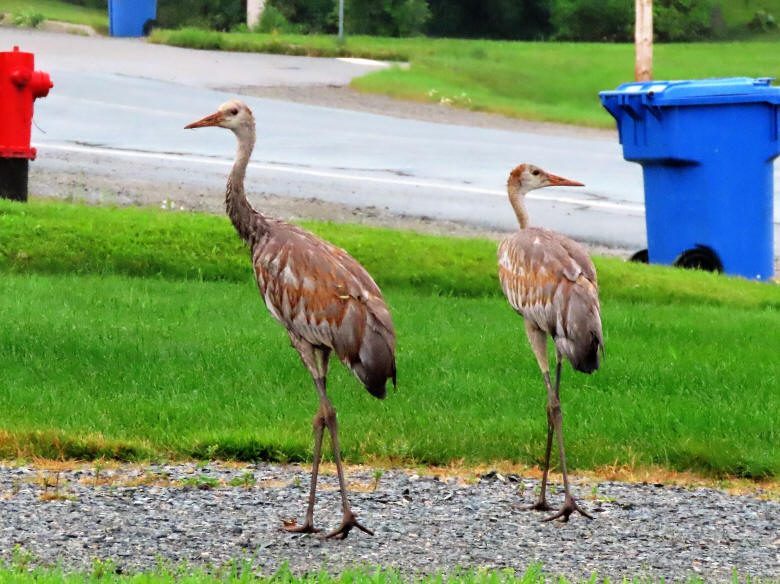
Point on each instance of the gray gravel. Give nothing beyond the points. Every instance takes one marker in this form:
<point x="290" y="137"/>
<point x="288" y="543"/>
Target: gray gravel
<point x="138" y="515"/>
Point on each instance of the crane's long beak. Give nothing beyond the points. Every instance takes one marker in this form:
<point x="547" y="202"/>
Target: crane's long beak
<point x="210" y="120"/>
<point x="559" y="181"/>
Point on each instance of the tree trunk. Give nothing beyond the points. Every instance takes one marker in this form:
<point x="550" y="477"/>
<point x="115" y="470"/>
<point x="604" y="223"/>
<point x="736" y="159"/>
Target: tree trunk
<point x="643" y="35"/>
<point x="254" y="9"/>
<point x="13" y="178"/>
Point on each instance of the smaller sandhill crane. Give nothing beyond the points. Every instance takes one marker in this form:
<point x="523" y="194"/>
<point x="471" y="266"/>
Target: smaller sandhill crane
<point x="551" y="282"/>
<point x="325" y="299"/>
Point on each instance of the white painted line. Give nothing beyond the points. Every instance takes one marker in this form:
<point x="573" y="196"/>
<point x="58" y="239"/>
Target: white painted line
<point x="626" y="208"/>
<point x="359" y="61"/>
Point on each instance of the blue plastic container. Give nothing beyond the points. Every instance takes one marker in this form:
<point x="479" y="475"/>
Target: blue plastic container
<point x="131" y="18"/>
<point x="706" y="148"/>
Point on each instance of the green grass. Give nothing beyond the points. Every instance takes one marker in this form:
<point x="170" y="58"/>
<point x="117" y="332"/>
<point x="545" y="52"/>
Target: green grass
<point x="187" y="364"/>
<point x="540" y="81"/>
<point x="58" y="10"/>
<point x="19" y="572"/>
<point x="56" y="238"/>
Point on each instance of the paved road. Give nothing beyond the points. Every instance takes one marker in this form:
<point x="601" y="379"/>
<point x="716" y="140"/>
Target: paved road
<point x="119" y="106"/>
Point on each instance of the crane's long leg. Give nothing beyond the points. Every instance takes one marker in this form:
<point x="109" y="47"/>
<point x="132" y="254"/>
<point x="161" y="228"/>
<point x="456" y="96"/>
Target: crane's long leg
<point x="349" y="520"/>
<point x="538" y="340"/>
<point x="554" y="403"/>
<point x="541" y="503"/>
<point x="316" y="361"/>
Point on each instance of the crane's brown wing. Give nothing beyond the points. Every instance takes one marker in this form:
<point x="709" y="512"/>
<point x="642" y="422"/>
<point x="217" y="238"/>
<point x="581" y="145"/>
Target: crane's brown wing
<point x="550" y="280"/>
<point x="325" y="297"/>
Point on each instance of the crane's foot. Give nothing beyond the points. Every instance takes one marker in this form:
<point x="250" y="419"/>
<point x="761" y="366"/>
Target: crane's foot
<point x="291" y="526"/>
<point x="569" y="507"/>
<point x="347" y="523"/>
<point x="540" y="505"/>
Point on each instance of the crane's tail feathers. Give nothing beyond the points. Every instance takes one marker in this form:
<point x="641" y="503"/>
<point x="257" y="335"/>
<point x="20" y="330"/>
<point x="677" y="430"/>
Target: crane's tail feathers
<point x="374" y="362"/>
<point x="587" y="360"/>
<point x="580" y="339"/>
<point x="370" y="354"/>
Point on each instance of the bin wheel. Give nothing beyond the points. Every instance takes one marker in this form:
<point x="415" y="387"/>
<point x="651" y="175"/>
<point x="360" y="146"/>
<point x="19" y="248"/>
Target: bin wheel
<point x="148" y="26"/>
<point x="13" y="178"/>
<point x="700" y="257"/>
<point x="641" y="257"/>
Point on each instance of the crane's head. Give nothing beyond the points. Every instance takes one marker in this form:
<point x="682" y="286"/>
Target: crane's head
<point x="527" y="177"/>
<point x="234" y="115"/>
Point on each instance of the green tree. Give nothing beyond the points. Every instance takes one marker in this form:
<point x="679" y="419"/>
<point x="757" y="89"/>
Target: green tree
<point x="501" y="19"/>
<point x="386" y="17"/>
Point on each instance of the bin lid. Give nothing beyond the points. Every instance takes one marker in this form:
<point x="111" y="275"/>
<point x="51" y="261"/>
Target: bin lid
<point x="700" y="91"/>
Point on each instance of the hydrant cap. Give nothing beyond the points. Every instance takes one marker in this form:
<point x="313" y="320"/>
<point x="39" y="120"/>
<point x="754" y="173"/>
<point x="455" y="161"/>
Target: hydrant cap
<point x="40" y="84"/>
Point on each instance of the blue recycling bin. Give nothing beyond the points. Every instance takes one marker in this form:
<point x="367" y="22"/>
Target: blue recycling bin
<point x="131" y="18"/>
<point x="706" y="148"/>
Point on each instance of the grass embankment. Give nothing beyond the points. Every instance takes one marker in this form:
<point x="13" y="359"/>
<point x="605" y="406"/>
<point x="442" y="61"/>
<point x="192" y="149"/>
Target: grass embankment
<point x="185" y="361"/>
<point x="31" y="11"/>
<point x="540" y="81"/>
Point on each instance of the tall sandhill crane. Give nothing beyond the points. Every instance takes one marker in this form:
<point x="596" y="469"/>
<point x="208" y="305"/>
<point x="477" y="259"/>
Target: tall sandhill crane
<point x="551" y="282"/>
<point x="325" y="299"/>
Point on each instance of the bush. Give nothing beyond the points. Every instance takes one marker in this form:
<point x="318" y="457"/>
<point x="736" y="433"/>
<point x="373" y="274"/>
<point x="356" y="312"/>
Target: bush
<point x="762" y="21"/>
<point x="683" y="20"/>
<point x="272" y="20"/>
<point x="386" y="17"/>
<point x="210" y="14"/>
<point x="593" y="20"/>
<point x="309" y="16"/>
<point x="490" y="19"/>
<point x="613" y="20"/>
<point x="28" y="19"/>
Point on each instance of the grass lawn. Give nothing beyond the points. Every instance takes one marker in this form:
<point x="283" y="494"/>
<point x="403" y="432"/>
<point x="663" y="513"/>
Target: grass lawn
<point x="239" y="573"/>
<point x="58" y="10"/>
<point x="99" y="363"/>
<point x="540" y="81"/>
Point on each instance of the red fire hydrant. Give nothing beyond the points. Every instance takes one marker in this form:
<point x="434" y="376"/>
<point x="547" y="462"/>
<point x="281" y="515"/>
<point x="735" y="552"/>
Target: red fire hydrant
<point x="20" y="86"/>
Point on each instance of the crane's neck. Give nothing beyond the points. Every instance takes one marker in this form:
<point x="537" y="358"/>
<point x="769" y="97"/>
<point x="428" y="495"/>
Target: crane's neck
<point x="249" y="223"/>
<point x="517" y="199"/>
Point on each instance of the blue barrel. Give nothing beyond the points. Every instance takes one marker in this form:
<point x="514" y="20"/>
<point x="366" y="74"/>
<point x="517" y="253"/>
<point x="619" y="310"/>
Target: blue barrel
<point x="131" y="18"/>
<point x="706" y="148"/>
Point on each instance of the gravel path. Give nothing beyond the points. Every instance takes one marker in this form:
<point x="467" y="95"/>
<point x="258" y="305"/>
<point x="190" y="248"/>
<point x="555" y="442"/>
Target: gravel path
<point x="137" y="515"/>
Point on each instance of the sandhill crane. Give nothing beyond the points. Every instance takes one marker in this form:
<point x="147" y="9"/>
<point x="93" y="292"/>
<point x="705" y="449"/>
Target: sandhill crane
<point x="551" y="282"/>
<point x="325" y="299"/>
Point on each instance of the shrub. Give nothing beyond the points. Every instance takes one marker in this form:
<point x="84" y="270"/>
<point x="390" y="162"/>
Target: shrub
<point x="386" y="17"/>
<point x="613" y="20"/>
<point x="683" y="20"/>
<point x="593" y="20"/>
<point x="309" y="16"/>
<point x="28" y="19"/>
<point x="212" y="14"/>
<point x="493" y="19"/>
<point x="762" y="21"/>
<point x="272" y="20"/>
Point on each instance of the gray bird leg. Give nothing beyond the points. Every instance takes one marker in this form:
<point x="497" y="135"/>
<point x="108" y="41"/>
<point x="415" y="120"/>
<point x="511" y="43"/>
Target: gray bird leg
<point x="349" y="520"/>
<point x="316" y="361"/>
<point x="538" y="340"/>
<point x="554" y="405"/>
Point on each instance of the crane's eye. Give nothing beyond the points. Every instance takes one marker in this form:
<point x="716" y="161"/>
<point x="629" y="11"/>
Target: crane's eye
<point x="535" y="172"/>
<point x="234" y="111"/>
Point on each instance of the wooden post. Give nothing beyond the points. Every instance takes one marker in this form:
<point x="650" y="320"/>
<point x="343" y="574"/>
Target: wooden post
<point x="254" y="8"/>
<point x="643" y="36"/>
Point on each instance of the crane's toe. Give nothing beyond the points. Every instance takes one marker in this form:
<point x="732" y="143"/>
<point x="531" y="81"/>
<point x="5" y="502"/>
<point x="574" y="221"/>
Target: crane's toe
<point x="569" y="507"/>
<point x="291" y="526"/>
<point x="347" y="523"/>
